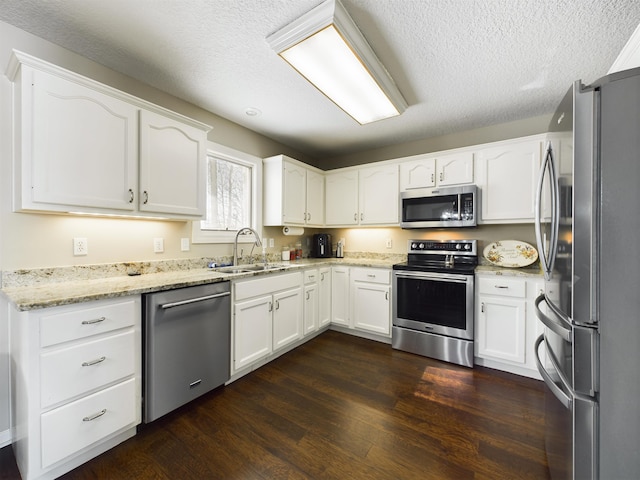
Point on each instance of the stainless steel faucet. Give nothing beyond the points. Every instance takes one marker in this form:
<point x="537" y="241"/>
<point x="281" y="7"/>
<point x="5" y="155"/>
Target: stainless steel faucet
<point x="243" y="231"/>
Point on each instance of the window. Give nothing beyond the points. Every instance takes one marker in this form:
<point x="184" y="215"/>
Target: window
<point x="234" y="192"/>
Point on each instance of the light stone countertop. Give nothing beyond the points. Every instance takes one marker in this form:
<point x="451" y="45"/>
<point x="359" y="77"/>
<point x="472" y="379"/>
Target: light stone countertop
<point x="43" y="294"/>
<point x="50" y="287"/>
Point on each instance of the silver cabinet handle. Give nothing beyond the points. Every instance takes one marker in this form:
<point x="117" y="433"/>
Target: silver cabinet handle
<point x="196" y="383"/>
<point x="482" y="307"/>
<point x="371" y="275"/>
<point x="271" y="306"/>
<point x="194" y="300"/>
<point x="386" y="295"/>
<point x="433" y="177"/>
<point x="355" y="216"/>
<point x="441" y="176"/>
<point x="307" y="295"/>
<point x="94" y="321"/>
<point x="95" y="415"/>
<point x="311" y="277"/>
<point x="146" y="197"/>
<point x="131" y="196"/>
<point x="94" y="362"/>
<point x="322" y="277"/>
<point x="501" y="286"/>
<point x="361" y="216"/>
<point x="277" y="304"/>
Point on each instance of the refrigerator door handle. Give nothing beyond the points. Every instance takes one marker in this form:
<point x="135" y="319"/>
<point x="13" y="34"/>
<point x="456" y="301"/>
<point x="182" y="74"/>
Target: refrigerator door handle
<point x="561" y="327"/>
<point x="547" y="258"/>
<point x="565" y="399"/>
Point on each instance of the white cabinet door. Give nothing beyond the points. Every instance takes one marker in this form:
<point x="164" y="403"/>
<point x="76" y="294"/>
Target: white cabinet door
<point x="454" y="169"/>
<point x="508" y="176"/>
<point x="64" y="162"/>
<point x="371" y="307"/>
<point x="287" y="317"/>
<point x="324" y="297"/>
<point x="172" y="166"/>
<point x="310" y="308"/>
<point x="379" y="195"/>
<point x="418" y="173"/>
<point x="341" y="199"/>
<point x="294" y="193"/>
<point x="252" y="330"/>
<point x="501" y="328"/>
<point x="340" y="295"/>
<point x="315" y="198"/>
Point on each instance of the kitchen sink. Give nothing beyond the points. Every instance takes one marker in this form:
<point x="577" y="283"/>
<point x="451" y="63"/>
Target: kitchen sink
<point x="251" y="268"/>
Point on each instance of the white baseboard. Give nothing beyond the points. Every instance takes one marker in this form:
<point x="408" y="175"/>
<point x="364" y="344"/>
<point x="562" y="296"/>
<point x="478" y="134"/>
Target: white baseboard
<point x="5" y="438"/>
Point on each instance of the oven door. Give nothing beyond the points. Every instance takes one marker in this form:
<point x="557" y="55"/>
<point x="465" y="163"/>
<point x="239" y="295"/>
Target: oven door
<point x="434" y="302"/>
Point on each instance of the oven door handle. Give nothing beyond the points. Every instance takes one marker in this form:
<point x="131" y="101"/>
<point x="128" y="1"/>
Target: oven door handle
<point x="433" y="276"/>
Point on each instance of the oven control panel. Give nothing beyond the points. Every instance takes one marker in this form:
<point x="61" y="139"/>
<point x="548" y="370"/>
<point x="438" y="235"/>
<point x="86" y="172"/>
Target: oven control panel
<point x="457" y="247"/>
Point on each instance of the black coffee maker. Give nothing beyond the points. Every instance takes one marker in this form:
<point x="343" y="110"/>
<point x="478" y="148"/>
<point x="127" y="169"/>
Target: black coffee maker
<point x="321" y="245"/>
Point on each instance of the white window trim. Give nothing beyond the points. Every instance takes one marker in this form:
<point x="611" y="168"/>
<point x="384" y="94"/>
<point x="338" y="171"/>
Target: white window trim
<point x="227" y="153"/>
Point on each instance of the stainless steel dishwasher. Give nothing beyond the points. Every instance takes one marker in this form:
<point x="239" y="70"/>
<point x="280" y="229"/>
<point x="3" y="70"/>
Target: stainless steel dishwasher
<point x="186" y="345"/>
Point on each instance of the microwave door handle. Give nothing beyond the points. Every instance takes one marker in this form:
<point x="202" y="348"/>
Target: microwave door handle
<point x="565" y="399"/>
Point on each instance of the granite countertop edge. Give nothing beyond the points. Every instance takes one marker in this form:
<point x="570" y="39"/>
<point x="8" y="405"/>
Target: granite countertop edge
<point x="45" y="295"/>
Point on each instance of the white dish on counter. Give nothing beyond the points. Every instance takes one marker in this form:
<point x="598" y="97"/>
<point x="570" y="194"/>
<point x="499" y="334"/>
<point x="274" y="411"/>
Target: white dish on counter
<point x="510" y="253"/>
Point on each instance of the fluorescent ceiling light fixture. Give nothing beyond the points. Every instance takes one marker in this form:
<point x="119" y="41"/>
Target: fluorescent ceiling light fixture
<point x="326" y="47"/>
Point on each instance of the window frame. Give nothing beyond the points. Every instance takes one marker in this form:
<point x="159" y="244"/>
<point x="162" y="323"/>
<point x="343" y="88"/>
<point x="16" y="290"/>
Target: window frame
<point x="219" y="236"/>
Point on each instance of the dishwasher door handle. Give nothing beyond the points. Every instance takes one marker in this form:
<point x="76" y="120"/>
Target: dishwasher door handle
<point x="194" y="300"/>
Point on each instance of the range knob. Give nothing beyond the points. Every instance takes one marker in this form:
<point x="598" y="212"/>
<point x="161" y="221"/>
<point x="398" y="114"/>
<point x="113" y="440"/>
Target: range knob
<point x="414" y="246"/>
<point x="421" y="246"/>
<point x="458" y="246"/>
<point x="467" y="247"/>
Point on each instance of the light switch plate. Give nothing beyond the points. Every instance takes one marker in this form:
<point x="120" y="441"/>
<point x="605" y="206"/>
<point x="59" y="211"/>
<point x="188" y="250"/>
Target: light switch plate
<point x="158" y="245"/>
<point x="184" y="244"/>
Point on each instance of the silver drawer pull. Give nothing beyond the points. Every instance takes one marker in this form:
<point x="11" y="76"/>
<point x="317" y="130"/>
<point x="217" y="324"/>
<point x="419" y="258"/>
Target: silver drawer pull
<point x="501" y="286"/>
<point x="95" y="320"/>
<point x="94" y="362"/>
<point x="95" y="415"/>
<point x="371" y="275"/>
<point x="196" y="383"/>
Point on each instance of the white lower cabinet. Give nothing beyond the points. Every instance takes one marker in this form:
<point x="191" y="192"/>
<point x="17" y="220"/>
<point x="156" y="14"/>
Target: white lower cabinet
<point x="324" y="297"/>
<point x="506" y="325"/>
<point x="311" y="301"/>
<point x="371" y="299"/>
<point x="76" y="382"/>
<point x="267" y="316"/>
<point x="361" y="300"/>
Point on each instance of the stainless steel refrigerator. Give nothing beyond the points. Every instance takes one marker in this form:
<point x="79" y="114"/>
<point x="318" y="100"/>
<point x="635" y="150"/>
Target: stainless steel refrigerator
<point x="587" y="224"/>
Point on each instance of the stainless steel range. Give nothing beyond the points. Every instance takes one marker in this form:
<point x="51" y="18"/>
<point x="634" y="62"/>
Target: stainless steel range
<point x="433" y="300"/>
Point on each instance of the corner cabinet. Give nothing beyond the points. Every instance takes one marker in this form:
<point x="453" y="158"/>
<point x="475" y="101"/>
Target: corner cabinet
<point x="82" y="146"/>
<point x="365" y="196"/>
<point x="293" y="193"/>
<point x="76" y="382"/>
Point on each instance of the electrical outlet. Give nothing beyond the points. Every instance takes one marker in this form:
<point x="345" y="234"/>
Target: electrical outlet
<point x="184" y="244"/>
<point x="389" y="243"/>
<point x="271" y="243"/>
<point x="80" y="246"/>
<point x="158" y="245"/>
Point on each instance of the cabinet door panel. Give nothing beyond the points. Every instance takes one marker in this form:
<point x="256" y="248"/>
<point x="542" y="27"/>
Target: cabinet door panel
<point x="315" y="198"/>
<point x="371" y="307"/>
<point x="70" y="164"/>
<point x="418" y="174"/>
<point x="295" y="193"/>
<point x="501" y="329"/>
<point x="341" y="198"/>
<point x="287" y="317"/>
<point x="172" y="166"/>
<point x="340" y="295"/>
<point x="252" y="330"/>
<point x="455" y="169"/>
<point x="379" y="195"/>
<point x="324" y="297"/>
<point x="509" y="181"/>
<point x="310" y="308"/>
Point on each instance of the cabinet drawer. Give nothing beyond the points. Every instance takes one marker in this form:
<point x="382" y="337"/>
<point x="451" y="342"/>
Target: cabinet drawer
<point x="310" y="276"/>
<point x="504" y="287"/>
<point x="74" y="322"/>
<point x="68" y="372"/>
<point x="371" y="275"/>
<point x="70" y="428"/>
<point x="268" y="284"/>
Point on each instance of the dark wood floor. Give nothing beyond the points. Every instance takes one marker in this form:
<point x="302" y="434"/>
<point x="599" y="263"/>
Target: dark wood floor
<point x="341" y="407"/>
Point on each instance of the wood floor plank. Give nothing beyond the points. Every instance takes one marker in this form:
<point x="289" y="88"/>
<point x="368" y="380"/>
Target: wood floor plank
<point x="342" y="407"/>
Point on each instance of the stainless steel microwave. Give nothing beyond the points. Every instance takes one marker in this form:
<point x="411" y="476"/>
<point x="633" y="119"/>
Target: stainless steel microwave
<point x="439" y="207"/>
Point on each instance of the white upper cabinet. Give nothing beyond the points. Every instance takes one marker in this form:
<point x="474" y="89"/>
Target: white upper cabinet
<point x="428" y="171"/>
<point x="379" y="195"/>
<point x="293" y="193"/>
<point x="507" y="178"/>
<point x="64" y="162"/>
<point x="368" y="196"/>
<point x="172" y="166"/>
<point x="82" y="146"/>
<point x="341" y="189"/>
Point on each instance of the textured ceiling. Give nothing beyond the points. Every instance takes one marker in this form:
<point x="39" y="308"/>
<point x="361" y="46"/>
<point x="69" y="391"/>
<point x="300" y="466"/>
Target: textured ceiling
<point x="461" y="64"/>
